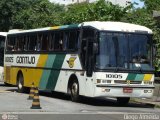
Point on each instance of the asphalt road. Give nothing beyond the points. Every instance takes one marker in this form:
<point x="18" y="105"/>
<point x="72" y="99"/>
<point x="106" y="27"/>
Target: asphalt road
<point x="57" y="106"/>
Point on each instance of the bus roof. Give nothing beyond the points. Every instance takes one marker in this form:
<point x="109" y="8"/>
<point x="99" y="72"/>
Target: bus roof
<point x="106" y="25"/>
<point x="3" y="33"/>
<point x="118" y="26"/>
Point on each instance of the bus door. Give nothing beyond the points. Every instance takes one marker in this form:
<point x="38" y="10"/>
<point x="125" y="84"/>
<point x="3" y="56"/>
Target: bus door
<point x="87" y="60"/>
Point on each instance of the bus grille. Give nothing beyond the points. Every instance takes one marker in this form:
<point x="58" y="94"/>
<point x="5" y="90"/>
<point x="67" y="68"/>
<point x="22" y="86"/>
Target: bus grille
<point x="127" y="82"/>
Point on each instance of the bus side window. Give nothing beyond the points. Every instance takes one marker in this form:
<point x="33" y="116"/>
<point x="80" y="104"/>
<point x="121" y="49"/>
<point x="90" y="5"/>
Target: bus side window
<point x="32" y="42"/>
<point x="38" y="43"/>
<point x="10" y="43"/>
<point x="26" y="42"/>
<point x="20" y="43"/>
<point x="45" y="42"/>
<point x="66" y="39"/>
<point x="16" y="44"/>
<point x="58" y="44"/>
<point x="72" y="43"/>
<point x="51" y="41"/>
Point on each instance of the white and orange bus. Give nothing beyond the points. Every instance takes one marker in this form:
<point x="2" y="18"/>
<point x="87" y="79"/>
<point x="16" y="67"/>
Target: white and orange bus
<point x="94" y="59"/>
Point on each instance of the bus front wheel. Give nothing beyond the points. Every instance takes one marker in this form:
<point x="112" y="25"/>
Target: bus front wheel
<point x="123" y="100"/>
<point x="74" y="89"/>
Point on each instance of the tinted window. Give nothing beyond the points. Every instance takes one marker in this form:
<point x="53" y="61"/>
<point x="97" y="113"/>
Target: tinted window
<point x="32" y="42"/>
<point x="45" y="42"/>
<point x="58" y="43"/>
<point x="11" y="43"/>
<point x="51" y="42"/>
<point x="20" y="43"/>
<point x="73" y="40"/>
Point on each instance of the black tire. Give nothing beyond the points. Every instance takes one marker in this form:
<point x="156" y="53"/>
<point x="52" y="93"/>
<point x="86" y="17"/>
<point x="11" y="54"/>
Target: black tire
<point x="20" y="83"/>
<point x="123" y="100"/>
<point x="74" y="90"/>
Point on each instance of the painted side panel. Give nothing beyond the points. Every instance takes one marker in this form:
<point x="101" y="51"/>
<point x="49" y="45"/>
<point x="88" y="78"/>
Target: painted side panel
<point x="49" y="77"/>
<point x="71" y="65"/>
<point x="46" y="72"/>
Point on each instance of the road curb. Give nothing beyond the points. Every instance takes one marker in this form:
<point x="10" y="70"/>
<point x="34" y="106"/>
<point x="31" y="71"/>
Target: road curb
<point x="4" y="91"/>
<point x="148" y="103"/>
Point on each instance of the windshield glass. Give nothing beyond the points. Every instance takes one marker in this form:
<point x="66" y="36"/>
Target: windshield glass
<point x="124" y="51"/>
<point x="139" y="47"/>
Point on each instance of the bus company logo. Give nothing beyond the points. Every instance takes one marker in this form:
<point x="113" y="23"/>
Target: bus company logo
<point x="71" y="61"/>
<point x="25" y="59"/>
<point x="119" y="76"/>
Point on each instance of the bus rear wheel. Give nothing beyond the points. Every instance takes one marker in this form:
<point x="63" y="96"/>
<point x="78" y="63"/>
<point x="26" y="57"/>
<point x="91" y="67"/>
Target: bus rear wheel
<point x="74" y="89"/>
<point x="20" y="83"/>
<point x="123" y="100"/>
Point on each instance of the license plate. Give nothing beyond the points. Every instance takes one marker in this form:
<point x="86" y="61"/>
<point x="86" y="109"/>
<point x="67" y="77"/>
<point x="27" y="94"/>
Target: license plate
<point x="127" y="90"/>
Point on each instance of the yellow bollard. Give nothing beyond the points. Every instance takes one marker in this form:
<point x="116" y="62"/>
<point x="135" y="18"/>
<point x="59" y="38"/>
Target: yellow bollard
<point x="31" y="94"/>
<point x="36" y="101"/>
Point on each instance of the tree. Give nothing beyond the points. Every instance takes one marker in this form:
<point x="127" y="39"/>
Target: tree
<point x="41" y="13"/>
<point x="101" y="11"/>
<point x="151" y="5"/>
<point x="27" y="14"/>
<point x="8" y="9"/>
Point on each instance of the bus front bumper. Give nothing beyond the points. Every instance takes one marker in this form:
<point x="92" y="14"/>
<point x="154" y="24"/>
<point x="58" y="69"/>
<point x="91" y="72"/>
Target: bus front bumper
<point x="139" y="91"/>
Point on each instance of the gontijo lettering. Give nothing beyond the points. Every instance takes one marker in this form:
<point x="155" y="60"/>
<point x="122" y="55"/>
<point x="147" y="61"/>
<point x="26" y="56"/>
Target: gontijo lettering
<point x="25" y="60"/>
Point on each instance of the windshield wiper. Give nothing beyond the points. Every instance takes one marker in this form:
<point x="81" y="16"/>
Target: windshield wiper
<point x="140" y="69"/>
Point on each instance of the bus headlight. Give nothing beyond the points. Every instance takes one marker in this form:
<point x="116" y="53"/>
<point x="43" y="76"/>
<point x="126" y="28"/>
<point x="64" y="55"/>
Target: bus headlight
<point x="147" y="91"/>
<point x="103" y="81"/>
<point x="148" y="82"/>
<point x="106" y="81"/>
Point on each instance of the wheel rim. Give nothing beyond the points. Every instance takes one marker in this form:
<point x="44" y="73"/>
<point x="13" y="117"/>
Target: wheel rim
<point x="19" y="84"/>
<point x="74" y="89"/>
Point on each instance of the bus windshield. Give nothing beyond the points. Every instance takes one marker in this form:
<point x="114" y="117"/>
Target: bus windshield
<point x="124" y="51"/>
